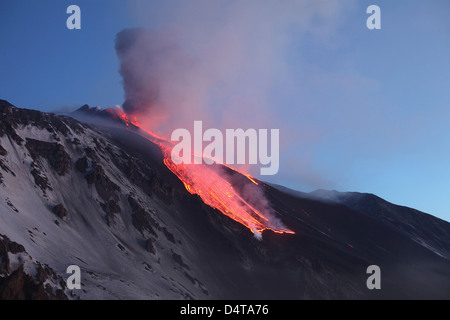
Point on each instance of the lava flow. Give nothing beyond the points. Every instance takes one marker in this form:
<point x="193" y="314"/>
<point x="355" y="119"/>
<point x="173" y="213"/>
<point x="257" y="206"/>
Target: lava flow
<point x="213" y="188"/>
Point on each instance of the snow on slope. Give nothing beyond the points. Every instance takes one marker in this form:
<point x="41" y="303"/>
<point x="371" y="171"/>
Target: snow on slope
<point x="86" y="235"/>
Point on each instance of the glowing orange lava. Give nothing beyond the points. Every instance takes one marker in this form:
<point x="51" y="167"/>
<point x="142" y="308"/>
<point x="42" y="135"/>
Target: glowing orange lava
<point x="118" y="114"/>
<point x="212" y="187"/>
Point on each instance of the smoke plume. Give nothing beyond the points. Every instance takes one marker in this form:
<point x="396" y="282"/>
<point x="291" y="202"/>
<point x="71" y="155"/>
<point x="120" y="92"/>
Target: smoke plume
<point x="215" y="61"/>
<point x="227" y="63"/>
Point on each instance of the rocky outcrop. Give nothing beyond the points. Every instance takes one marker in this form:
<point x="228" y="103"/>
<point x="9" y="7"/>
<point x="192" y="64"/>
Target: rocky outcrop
<point x="179" y="260"/>
<point x="7" y="246"/>
<point x="149" y="246"/>
<point x="8" y="121"/>
<point x="18" y="284"/>
<point x="60" y="211"/>
<point x="55" y="154"/>
<point x="13" y="117"/>
<point x="111" y="208"/>
<point x="143" y="175"/>
<point x="142" y="221"/>
<point x="106" y="189"/>
<point x="82" y="164"/>
<point x="168" y="235"/>
<point x="3" y="152"/>
<point x="22" y="286"/>
<point x="40" y="179"/>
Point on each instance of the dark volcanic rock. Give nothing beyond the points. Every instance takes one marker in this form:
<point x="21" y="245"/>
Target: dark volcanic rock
<point x="5" y="104"/>
<point x="168" y="235"/>
<point x="22" y="286"/>
<point x="53" y="152"/>
<point x="9" y="203"/>
<point x="40" y="179"/>
<point x="60" y="211"/>
<point x="8" y="121"/>
<point x="105" y="187"/>
<point x="149" y="246"/>
<point x="141" y="169"/>
<point x="18" y="285"/>
<point x="111" y="207"/>
<point x="12" y="117"/>
<point x="6" y="246"/>
<point x="82" y="164"/>
<point x="86" y="112"/>
<point x="137" y="171"/>
<point x="179" y="260"/>
<point x="3" y="152"/>
<point x="90" y="153"/>
<point x="141" y="219"/>
<point x="5" y="168"/>
<point x="4" y="264"/>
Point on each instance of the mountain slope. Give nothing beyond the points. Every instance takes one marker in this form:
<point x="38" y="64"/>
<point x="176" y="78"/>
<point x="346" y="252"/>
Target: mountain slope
<point x="99" y="196"/>
<point x="427" y="230"/>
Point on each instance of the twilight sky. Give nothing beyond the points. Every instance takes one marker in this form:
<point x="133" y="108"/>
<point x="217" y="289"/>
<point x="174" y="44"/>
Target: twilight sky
<point x="358" y="110"/>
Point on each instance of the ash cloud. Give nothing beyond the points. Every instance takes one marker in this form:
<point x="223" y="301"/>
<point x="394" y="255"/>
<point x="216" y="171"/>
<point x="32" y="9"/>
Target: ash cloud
<point x="216" y="61"/>
<point x="140" y="86"/>
<point x="150" y="64"/>
<point x="226" y="63"/>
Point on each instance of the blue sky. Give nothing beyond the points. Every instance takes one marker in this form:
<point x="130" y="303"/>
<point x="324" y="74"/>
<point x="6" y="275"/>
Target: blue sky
<point x="358" y="110"/>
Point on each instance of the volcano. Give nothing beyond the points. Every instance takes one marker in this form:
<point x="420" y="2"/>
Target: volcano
<point x="94" y="190"/>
